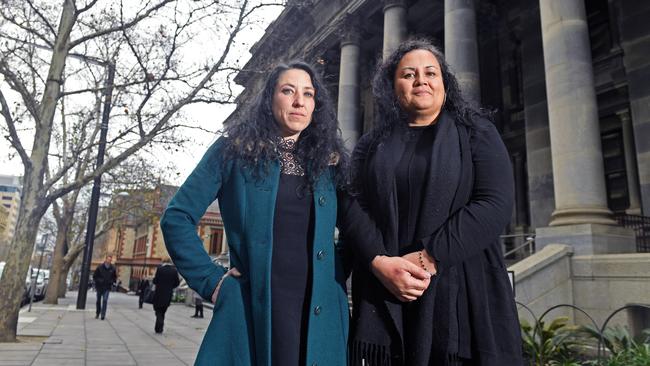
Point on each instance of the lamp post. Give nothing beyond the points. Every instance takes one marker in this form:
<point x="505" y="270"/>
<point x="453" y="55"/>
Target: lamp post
<point x="144" y="265"/>
<point x="32" y="286"/>
<point x="94" y="198"/>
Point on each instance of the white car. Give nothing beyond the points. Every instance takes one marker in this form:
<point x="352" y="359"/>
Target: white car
<point x="41" y="282"/>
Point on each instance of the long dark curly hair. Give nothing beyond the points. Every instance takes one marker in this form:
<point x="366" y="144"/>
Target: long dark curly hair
<point x="255" y="137"/>
<point x="390" y="114"/>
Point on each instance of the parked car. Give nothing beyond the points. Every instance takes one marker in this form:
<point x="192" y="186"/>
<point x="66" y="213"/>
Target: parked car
<point x="40" y="288"/>
<point x="25" y="298"/>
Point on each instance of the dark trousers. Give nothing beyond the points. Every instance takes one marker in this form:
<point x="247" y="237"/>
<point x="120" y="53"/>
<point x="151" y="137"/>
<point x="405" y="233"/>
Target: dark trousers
<point x="160" y="319"/>
<point x="198" y="308"/>
<point x="140" y="299"/>
<point x="102" y="301"/>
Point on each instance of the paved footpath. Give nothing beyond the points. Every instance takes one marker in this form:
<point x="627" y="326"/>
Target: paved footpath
<point x="60" y="335"/>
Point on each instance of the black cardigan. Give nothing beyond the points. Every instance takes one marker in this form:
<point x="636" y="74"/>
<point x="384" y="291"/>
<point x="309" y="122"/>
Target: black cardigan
<point x="472" y="285"/>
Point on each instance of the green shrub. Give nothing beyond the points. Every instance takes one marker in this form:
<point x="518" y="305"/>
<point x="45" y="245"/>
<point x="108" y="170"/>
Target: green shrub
<point x="554" y="344"/>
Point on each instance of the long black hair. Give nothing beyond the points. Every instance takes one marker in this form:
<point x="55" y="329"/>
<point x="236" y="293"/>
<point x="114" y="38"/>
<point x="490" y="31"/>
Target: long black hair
<point x="255" y="137"/>
<point x="389" y="112"/>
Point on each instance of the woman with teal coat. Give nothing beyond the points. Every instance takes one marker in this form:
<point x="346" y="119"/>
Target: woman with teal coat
<point x="279" y="178"/>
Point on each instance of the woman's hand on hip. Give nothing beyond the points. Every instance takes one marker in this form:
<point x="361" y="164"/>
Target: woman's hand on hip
<point x="231" y="272"/>
<point x="405" y="280"/>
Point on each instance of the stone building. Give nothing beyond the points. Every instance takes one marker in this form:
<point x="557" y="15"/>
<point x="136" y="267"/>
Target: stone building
<point x="570" y="83"/>
<point x="10" y="195"/>
<point x="135" y="239"/>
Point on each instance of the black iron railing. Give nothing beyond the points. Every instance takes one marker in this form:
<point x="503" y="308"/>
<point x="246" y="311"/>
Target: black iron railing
<point x="640" y="225"/>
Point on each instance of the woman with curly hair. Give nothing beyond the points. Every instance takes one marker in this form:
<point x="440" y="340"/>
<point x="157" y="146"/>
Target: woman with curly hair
<point x="276" y="174"/>
<point x="435" y="176"/>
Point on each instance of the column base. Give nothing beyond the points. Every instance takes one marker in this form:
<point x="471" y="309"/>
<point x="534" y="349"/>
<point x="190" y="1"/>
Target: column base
<point x="576" y="216"/>
<point x="588" y="238"/>
<point x="633" y="211"/>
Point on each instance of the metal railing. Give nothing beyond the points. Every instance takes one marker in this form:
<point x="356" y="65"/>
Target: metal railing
<point x="517" y="251"/>
<point x="640" y="225"/>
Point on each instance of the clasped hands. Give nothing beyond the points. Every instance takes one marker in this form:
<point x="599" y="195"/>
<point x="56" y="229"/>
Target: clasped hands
<point x="405" y="277"/>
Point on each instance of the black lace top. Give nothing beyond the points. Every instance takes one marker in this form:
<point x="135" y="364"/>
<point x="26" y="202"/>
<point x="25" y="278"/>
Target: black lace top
<point x="288" y="161"/>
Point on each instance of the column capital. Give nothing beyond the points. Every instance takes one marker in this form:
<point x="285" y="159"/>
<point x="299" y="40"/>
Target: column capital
<point x="624" y="115"/>
<point x="350" y="31"/>
<point x="393" y="3"/>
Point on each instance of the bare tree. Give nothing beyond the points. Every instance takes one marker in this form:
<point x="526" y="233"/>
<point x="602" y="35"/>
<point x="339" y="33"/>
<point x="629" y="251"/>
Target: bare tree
<point x="56" y="55"/>
<point x="135" y="174"/>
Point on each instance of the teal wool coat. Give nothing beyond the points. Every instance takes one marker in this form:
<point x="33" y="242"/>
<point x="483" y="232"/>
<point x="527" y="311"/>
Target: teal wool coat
<point x="240" y="330"/>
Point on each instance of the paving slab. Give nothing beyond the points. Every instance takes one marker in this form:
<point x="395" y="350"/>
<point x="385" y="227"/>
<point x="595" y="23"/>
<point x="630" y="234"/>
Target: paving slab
<point x="61" y="335"/>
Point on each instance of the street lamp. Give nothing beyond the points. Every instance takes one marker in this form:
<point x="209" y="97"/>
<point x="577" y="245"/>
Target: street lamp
<point x="94" y="198"/>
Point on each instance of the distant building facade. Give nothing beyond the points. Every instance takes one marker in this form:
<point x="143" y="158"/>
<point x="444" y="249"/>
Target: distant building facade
<point x="10" y="196"/>
<point x="134" y="237"/>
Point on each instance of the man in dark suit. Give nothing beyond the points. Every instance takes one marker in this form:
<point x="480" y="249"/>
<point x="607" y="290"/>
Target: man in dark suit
<point x="104" y="276"/>
<point x="166" y="279"/>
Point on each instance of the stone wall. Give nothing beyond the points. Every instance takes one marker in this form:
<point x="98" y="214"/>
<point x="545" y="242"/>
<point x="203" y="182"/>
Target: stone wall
<point x="598" y="284"/>
<point x="603" y="283"/>
<point x="544" y="280"/>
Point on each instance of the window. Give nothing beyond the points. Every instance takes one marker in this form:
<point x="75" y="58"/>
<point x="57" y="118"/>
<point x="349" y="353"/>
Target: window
<point x="140" y="247"/>
<point x="216" y="239"/>
<point x="615" y="172"/>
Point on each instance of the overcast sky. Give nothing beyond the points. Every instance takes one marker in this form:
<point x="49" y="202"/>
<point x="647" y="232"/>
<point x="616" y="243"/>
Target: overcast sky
<point x="208" y="116"/>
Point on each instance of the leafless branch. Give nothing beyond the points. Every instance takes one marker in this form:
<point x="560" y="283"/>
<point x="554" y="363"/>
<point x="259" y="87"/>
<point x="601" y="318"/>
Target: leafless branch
<point x="122" y="27"/>
<point x="13" y="135"/>
<point x="16" y="84"/>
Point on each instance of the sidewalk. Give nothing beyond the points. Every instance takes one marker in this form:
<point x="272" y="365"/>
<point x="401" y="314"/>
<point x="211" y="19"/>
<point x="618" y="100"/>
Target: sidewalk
<point x="58" y="335"/>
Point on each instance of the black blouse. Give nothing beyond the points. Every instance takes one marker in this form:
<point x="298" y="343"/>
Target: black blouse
<point x="410" y="180"/>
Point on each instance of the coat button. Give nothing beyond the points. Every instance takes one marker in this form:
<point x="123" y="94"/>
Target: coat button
<point x="322" y="201"/>
<point x="320" y="254"/>
<point x="317" y="310"/>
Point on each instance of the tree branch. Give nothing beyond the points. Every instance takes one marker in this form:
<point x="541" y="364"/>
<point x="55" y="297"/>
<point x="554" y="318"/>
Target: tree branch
<point x="13" y="135"/>
<point x="122" y="27"/>
<point x="16" y="84"/>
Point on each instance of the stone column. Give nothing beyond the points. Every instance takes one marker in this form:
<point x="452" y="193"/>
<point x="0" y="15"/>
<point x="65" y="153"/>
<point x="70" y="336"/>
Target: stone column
<point x="630" y="164"/>
<point x="349" y="105"/>
<point x="581" y="212"/>
<point x="394" y="25"/>
<point x="538" y="145"/>
<point x="635" y="42"/>
<point x="461" y="49"/>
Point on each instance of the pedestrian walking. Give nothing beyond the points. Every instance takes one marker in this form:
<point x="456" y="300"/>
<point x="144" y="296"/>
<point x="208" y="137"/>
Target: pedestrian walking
<point x="166" y="280"/>
<point x="143" y="286"/>
<point x="103" y="277"/>
<point x="198" y="305"/>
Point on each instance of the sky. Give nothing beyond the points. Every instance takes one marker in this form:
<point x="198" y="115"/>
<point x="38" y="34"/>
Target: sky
<point x="207" y="116"/>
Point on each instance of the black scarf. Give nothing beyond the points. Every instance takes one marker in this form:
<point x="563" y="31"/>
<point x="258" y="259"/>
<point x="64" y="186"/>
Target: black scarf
<point x="377" y="314"/>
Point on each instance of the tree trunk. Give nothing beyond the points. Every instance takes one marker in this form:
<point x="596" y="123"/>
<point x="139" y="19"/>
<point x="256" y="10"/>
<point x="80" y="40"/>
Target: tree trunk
<point x="68" y="261"/>
<point x="63" y="285"/>
<point x="52" y="295"/>
<point x="12" y="286"/>
<point x="34" y="202"/>
<point x="57" y="271"/>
